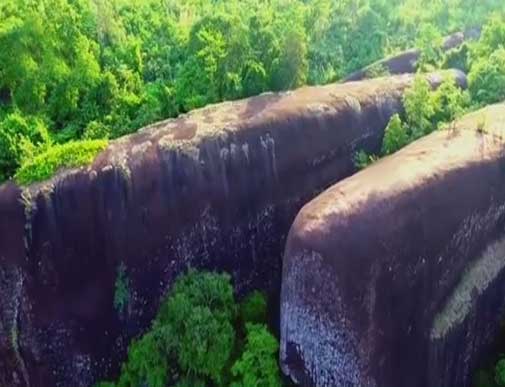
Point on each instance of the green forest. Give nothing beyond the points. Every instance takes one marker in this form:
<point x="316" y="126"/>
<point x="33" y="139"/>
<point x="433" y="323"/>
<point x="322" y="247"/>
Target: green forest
<point x="75" y="74"/>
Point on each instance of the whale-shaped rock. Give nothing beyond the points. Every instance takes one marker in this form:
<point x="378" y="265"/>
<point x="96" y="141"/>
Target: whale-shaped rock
<point x="217" y="189"/>
<point x="396" y="276"/>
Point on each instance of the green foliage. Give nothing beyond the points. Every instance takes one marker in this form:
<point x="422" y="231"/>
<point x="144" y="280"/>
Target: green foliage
<point x="395" y="136"/>
<point x="148" y="361"/>
<point x="70" y="155"/>
<point x="484" y="378"/>
<point x="122" y="289"/>
<point x="425" y="111"/>
<point x="201" y="310"/>
<point x="290" y="69"/>
<point x="105" y="384"/>
<point x="253" y="309"/>
<point x="257" y="367"/>
<point x="457" y="58"/>
<point x="487" y="78"/>
<point x="418" y="108"/>
<point x="87" y="69"/>
<point x="19" y="135"/>
<point x="195" y="339"/>
<point x="429" y="42"/>
<point x="449" y="102"/>
<point x="377" y="70"/>
<point x="363" y="159"/>
<point x="500" y="372"/>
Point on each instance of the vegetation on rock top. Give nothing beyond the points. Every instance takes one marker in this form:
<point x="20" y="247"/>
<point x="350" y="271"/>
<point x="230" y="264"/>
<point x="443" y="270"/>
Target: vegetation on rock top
<point x="74" y="70"/>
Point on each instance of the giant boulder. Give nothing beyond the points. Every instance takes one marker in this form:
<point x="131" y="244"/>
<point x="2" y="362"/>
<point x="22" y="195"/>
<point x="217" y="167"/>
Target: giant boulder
<point x="217" y="188"/>
<point x="406" y="62"/>
<point x="396" y="275"/>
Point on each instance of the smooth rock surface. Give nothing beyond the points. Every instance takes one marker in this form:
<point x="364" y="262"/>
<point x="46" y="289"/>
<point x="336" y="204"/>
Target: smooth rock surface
<point x="395" y="276"/>
<point x="217" y="188"/>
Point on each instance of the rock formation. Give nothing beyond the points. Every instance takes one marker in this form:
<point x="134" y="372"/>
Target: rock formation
<point x="406" y="61"/>
<point x="396" y="275"/>
<point x="217" y="188"/>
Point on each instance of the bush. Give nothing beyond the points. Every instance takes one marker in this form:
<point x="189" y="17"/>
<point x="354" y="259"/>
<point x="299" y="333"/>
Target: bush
<point x="395" y="136"/>
<point x="70" y="155"/>
<point x="487" y="78"/>
<point x="201" y="310"/>
<point x="258" y="364"/>
<point x="449" y="102"/>
<point x="148" y="361"/>
<point x="457" y="58"/>
<point x="418" y="108"/>
<point x="122" y="289"/>
<point x="18" y="136"/>
<point x="429" y="42"/>
<point x="254" y="308"/>
<point x="363" y="159"/>
<point x="377" y="70"/>
<point x="193" y="341"/>
<point x="500" y="372"/>
<point x="427" y="109"/>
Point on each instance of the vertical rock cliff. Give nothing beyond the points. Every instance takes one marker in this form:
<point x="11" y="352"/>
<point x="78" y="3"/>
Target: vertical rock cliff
<point x="217" y="188"/>
<point x="396" y="275"/>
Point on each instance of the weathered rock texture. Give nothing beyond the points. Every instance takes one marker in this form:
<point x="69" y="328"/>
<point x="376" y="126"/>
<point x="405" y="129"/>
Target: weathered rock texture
<point x="406" y="61"/>
<point x="395" y="276"/>
<point x="217" y="189"/>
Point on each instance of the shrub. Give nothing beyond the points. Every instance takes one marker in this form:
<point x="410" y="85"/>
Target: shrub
<point x="147" y="363"/>
<point x="449" y="101"/>
<point x="484" y="378"/>
<point x="70" y="155"/>
<point x="457" y="58"/>
<point x="500" y="372"/>
<point x="193" y="342"/>
<point x="429" y="42"/>
<point x="377" y="70"/>
<point x="201" y="310"/>
<point x="122" y="289"/>
<point x="487" y="78"/>
<point x="205" y="289"/>
<point x="253" y="308"/>
<point x="205" y="343"/>
<point x="418" y="108"/>
<point x="258" y="364"/>
<point x="363" y="159"/>
<point x="18" y="136"/>
<point x="96" y="130"/>
<point x="395" y="136"/>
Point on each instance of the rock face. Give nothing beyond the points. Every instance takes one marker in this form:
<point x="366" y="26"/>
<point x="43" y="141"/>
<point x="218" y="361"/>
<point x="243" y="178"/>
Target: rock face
<point x="396" y="275"/>
<point x="217" y="189"/>
<point x="406" y="62"/>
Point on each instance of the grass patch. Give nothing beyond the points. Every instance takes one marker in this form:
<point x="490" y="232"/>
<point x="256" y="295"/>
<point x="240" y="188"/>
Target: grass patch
<point x="70" y="155"/>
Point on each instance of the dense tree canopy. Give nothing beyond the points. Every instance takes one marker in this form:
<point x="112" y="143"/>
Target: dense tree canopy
<point x="95" y="69"/>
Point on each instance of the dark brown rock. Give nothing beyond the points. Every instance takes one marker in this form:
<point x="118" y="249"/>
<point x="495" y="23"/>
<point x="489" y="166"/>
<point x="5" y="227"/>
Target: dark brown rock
<point x="395" y="276"/>
<point x="217" y="188"/>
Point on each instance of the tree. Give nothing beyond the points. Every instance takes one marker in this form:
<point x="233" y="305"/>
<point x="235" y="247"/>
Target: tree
<point x="487" y="78"/>
<point x="290" y="69"/>
<point x="429" y="43"/>
<point x="449" y="101"/>
<point x="19" y="136"/>
<point x="395" y="136"/>
<point x="257" y="367"/>
<point x="147" y="363"/>
<point x="200" y="310"/>
<point x="418" y="108"/>
<point x="253" y="309"/>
